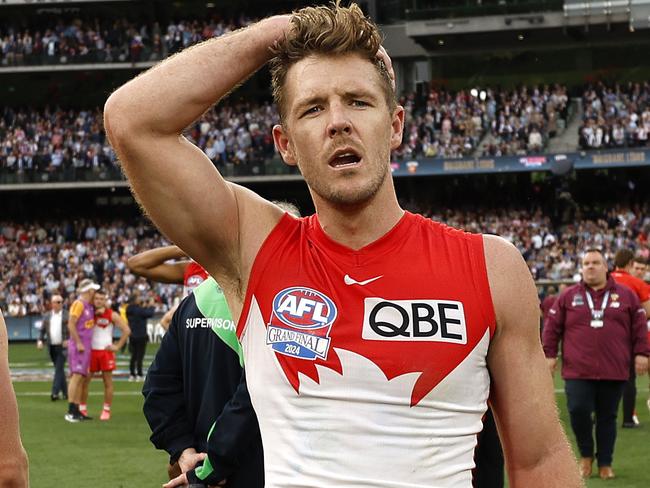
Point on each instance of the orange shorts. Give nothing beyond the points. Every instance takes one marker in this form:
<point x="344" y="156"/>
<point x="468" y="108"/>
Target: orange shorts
<point x="102" y="360"/>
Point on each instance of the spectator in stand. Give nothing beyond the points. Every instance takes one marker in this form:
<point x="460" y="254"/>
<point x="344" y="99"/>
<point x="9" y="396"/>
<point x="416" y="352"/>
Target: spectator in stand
<point x="615" y="116"/>
<point x="596" y="320"/>
<point x="79" y="40"/>
<point x="623" y="264"/>
<point x="137" y="313"/>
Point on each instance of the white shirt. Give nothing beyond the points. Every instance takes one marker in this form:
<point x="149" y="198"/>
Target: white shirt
<point x="56" y="328"/>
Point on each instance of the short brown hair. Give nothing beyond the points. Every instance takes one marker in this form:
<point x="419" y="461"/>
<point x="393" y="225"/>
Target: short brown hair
<point x="623" y="257"/>
<point x="327" y="31"/>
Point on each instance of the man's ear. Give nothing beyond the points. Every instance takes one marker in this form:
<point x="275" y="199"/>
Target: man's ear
<point x="397" y="127"/>
<point x="282" y="144"/>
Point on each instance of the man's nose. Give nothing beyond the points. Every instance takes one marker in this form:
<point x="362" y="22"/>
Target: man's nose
<point x="339" y="123"/>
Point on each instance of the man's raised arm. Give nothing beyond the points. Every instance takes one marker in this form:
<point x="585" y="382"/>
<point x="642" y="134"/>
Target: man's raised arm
<point x="536" y="449"/>
<point x="153" y="265"/>
<point x="176" y="183"/>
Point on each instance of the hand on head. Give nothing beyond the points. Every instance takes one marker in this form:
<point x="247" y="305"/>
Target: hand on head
<point x="383" y="56"/>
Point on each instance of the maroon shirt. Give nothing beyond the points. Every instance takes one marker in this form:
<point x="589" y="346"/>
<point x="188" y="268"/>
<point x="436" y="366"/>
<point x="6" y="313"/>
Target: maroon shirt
<point x="547" y="304"/>
<point x="601" y="353"/>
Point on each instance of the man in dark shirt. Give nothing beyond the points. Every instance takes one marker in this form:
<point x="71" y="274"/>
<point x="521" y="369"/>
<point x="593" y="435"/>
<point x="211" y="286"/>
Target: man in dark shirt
<point x="603" y="329"/>
<point x="196" y="378"/>
<point x="137" y="313"/>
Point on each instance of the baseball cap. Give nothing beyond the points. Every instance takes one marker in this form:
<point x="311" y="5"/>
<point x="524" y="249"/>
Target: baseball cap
<point x="87" y="285"/>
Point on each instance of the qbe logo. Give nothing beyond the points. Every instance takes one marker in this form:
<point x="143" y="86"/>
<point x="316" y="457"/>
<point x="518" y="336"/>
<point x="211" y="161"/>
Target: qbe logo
<point x="414" y="320"/>
<point x="300" y="323"/>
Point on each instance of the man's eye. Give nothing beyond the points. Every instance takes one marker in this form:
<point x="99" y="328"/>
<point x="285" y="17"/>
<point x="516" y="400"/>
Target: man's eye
<point x="312" y="110"/>
<point x="359" y="103"/>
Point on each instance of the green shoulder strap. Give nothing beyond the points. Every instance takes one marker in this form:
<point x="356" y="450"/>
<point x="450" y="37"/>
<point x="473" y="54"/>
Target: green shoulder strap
<point x="211" y="302"/>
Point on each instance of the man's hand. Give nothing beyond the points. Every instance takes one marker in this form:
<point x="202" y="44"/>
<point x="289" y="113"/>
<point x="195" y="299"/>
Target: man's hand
<point x="178" y="481"/>
<point x="189" y="459"/>
<point x="383" y="56"/>
<point x="641" y="365"/>
<point x="551" y="362"/>
<point x="112" y="347"/>
<point x="80" y="347"/>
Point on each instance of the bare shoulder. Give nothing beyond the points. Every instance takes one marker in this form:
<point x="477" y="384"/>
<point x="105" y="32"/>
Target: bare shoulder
<point x="257" y="217"/>
<point x="511" y="283"/>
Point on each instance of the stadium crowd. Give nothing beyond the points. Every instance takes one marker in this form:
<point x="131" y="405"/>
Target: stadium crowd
<point x="40" y="259"/>
<point x="615" y="115"/>
<point x="54" y="141"/>
<point x="105" y="41"/>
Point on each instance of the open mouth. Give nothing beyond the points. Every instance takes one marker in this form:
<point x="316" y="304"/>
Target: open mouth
<point x="344" y="159"/>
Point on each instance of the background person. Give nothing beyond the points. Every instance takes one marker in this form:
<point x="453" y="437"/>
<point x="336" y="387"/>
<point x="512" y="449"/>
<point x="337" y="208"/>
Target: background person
<point x="155" y="265"/>
<point x="623" y="266"/>
<point x="137" y="313"/>
<point x="195" y="378"/>
<point x="602" y="328"/>
<point x="80" y="325"/>
<point x="54" y="332"/>
<point x="102" y="358"/>
<point x="640" y="268"/>
<point x="14" y="472"/>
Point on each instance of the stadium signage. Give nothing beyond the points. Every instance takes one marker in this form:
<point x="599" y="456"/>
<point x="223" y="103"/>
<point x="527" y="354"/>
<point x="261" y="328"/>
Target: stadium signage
<point x="619" y="157"/>
<point x="515" y="164"/>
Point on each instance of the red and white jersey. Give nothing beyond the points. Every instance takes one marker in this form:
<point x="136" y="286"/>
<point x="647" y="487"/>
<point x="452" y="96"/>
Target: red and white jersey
<point x="368" y="367"/>
<point x="103" y="331"/>
<point x="194" y="275"/>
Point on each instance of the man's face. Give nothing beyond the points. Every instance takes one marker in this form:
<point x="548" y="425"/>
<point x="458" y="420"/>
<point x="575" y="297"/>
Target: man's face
<point x="99" y="300"/>
<point x="57" y="303"/>
<point x="639" y="269"/>
<point x="338" y="128"/>
<point x="594" y="269"/>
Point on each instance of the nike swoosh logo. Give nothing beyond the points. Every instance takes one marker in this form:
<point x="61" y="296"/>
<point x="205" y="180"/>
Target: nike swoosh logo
<point x="351" y="281"/>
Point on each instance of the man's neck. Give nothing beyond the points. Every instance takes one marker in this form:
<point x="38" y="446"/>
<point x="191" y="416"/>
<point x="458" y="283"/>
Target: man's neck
<point x="356" y="227"/>
<point x="599" y="286"/>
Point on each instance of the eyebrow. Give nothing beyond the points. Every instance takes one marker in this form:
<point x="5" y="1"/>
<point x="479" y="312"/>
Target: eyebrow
<point x="347" y="95"/>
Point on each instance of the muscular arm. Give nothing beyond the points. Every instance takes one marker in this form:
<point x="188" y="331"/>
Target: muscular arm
<point x="123" y="326"/>
<point x="174" y="180"/>
<point x="537" y="453"/>
<point x="152" y="264"/>
<point x="72" y="330"/>
<point x="13" y="458"/>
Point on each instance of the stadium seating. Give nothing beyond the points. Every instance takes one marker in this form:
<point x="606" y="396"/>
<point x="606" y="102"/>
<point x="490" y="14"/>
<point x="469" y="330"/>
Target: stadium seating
<point x="41" y="258"/>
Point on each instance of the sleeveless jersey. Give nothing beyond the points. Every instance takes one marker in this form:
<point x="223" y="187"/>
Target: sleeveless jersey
<point x="103" y="331"/>
<point x="86" y="321"/>
<point x="194" y="275"/>
<point x="368" y="367"/>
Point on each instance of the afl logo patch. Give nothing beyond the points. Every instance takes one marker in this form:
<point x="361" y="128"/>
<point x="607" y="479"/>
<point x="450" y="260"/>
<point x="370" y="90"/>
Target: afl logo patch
<point x="194" y="281"/>
<point x="300" y="323"/>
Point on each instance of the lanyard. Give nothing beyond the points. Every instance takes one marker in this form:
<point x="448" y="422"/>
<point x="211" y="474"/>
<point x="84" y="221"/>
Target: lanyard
<point x="597" y="314"/>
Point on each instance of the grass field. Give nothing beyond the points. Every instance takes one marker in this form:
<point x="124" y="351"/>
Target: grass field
<point x="118" y="454"/>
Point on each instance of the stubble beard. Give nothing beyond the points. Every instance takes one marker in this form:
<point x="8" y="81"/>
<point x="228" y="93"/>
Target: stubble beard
<point x="348" y="196"/>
